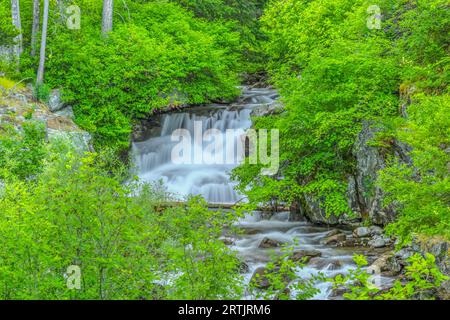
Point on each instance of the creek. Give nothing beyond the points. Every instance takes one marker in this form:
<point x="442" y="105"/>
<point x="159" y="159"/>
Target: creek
<point x="153" y="158"/>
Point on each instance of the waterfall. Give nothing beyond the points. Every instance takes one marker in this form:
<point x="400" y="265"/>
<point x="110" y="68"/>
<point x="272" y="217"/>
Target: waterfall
<point x="153" y="157"/>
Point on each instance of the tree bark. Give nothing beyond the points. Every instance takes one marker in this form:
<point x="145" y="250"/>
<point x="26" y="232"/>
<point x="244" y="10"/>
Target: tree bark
<point x="15" y="13"/>
<point x="35" y="26"/>
<point x="62" y="11"/>
<point x="107" y="16"/>
<point x="40" y="73"/>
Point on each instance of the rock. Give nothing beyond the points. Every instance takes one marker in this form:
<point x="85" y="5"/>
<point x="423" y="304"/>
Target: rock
<point x="438" y="247"/>
<point x="259" y="279"/>
<point x="66" y="112"/>
<point x="243" y="267"/>
<point x="338" y="292"/>
<point x="265" y="109"/>
<point x="403" y="254"/>
<point x="60" y="123"/>
<point x="336" y="239"/>
<point x="394" y="265"/>
<point x="375" y="230"/>
<point x="361" y="232"/>
<point x="385" y="263"/>
<point x="334" y="265"/>
<point x="333" y="233"/>
<point x="325" y="263"/>
<point x="304" y="255"/>
<point x="283" y="294"/>
<point x="250" y="231"/>
<point x="443" y="292"/>
<point x="369" y="160"/>
<point x="377" y="242"/>
<point x="54" y="101"/>
<point x="355" y="242"/>
<point x="379" y="265"/>
<point x="269" y="243"/>
<point x="227" y="241"/>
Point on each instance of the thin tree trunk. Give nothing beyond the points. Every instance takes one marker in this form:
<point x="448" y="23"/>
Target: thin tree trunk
<point x="62" y="13"/>
<point x="15" y="13"/>
<point x="107" y="16"/>
<point x="40" y="73"/>
<point x="35" y="27"/>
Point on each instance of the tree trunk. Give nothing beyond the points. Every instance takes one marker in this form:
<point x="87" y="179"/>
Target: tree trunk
<point x="40" y="73"/>
<point x="62" y="12"/>
<point x="35" y="27"/>
<point x="15" y="13"/>
<point x="107" y="17"/>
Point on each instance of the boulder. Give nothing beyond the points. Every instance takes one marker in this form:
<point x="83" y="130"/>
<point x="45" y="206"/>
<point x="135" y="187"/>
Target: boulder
<point x="304" y="255"/>
<point x="259" y="279"/>
<point x="227" y="241"/>
<point x="369" y="160"/>
<point x="378" y="242"/>
<point x="334" y="265"/>
<point x="243" y="267"/>
<point x="266" y="109"/>
<point x="269" y="243"/>
<point x="338" y="292"/>
<point x="66" y="112"/>
<point x="333" y="233"/>
<point x="336" y="239"/>
<point x="386" y="263"/>
<point x="375" y="230"/>
<point x="55" y="102"/>
<point x="354" y="242"/>
<point x="361" y="232"/>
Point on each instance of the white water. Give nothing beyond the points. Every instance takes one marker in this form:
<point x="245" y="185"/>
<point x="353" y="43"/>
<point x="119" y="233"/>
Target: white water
<point x="153" y="162"/>
<point x="300" y="236"/>
<point x="153" y="156"/>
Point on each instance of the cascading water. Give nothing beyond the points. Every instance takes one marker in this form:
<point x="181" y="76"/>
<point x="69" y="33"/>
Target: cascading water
<point x="154" y="157"/>
<point x="154" y="161"/>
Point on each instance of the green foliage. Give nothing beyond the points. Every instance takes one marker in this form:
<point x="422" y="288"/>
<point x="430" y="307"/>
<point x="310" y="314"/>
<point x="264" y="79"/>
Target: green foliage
<point x="329" y="84"/>
<point x="157" y="56"/>
<point x="282" y="280"/>
<point x="77" y="213"/>
<point x="41" y="92"/>
<point x="244" y="18"/>
<point x="7" y="30"/>
<point x="422" y="191"/>
<point x="333" y="73"/>
<point x="421" y="275"/>
<point x="22" y="151"/>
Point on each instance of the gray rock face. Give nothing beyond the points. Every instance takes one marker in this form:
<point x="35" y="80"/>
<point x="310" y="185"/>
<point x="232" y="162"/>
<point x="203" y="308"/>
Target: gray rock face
<point x="66" y="112"/>
<point x="369" y="161"/>
<point x="440" y="249"/>
<point x="365" y="199"/>
<point x="377" y="242"/>
<point x="268" y="109"/>
<point x="361" y="232"/>
<point x="55" y="102"/>
<point x="312" y="210"/>
<point x="81" y="140"/>
<point x="375" y="230"/>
